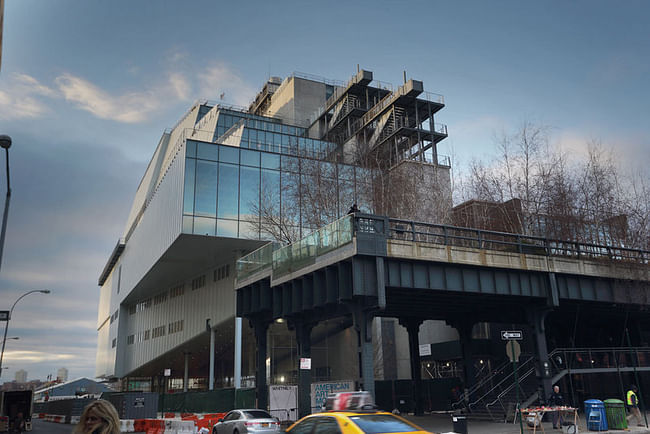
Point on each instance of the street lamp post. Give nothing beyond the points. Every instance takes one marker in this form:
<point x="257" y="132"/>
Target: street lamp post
<point x="5" y="142"/>
<point x="4" y="339"/>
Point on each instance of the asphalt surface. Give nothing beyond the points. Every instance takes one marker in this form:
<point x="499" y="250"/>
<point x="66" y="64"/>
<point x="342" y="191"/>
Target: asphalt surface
<point x="42" y="427"/>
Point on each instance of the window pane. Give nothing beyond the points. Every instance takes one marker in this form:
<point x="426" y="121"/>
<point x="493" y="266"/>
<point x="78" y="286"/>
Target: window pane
<point x="250" y="158"/>
<point x="204" y="226"/>
<point x="227" y="228"/>
<point x="206" y="151"/>
<point x="191" y="148"/>
<point x="249" y="192"/>
<point x="270" y="161"/>
<point x="229" y="154"/>
<point x="228" y="191"/>
<point x="188" y="194"/>
<point x="206" y="189"/>
<point x="187" y="224"/>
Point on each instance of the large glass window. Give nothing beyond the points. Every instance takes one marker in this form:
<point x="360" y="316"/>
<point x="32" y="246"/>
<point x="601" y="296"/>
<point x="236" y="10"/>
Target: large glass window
<point x="249" y="202"/>
<point x="250" y="158"/>
<point x="206" y="189"/>
<point x="204" y="226"/>
<point x="206" y="151"/>
<point x="188" y="191"/>
<point x="228" y="154"/>
<point x="270" y="161"/>
<point x="228" y="191"/>
<point x="227" y="228"/>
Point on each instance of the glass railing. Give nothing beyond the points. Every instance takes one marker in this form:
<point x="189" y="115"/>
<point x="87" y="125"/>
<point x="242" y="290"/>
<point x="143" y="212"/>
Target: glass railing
<point x="255" y="261"/>
<point x="304" y="252"/>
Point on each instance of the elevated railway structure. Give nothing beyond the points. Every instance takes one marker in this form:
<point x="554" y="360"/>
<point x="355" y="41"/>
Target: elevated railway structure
<point x="363" y="266"/>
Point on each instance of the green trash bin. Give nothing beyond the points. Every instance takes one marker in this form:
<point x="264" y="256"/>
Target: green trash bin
<point x="615" y="411"/>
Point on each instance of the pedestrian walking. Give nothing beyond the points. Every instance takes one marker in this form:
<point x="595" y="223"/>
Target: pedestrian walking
<point x="633" y="405"/>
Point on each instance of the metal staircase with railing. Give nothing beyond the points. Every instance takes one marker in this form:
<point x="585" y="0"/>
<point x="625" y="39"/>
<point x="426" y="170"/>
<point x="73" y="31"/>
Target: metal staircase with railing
<point x="495" y="396"/>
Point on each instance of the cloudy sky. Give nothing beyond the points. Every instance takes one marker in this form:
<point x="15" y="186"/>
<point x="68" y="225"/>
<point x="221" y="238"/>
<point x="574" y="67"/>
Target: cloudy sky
<point x="87" y="88"/>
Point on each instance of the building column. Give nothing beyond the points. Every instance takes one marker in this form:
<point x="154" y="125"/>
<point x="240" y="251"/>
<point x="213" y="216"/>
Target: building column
<point x="261" y="328"/>
<point x="412" y="326"/>
<point x="536" y="316"/>
<point x="211" y="380"/>
<point x="363" y="326"/>
<point x="186" y="374"/>
<point x="238" y="348"/>
<point x="303" y="339"/>
<point x="464" y="329"/>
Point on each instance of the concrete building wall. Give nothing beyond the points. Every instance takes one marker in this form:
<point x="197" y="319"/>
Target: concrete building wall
<point x="297" y="99"/>
<point x="214" y="301"/>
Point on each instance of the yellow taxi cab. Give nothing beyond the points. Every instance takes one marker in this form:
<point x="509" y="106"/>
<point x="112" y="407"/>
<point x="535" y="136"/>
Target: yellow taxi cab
<point x="351" y="413"/>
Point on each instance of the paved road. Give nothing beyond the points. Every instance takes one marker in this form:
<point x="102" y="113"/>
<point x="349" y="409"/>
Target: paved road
<point x="42" y="427"/>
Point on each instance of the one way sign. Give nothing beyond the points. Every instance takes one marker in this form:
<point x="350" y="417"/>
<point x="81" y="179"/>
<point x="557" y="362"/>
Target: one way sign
<point x="511" y="335"/>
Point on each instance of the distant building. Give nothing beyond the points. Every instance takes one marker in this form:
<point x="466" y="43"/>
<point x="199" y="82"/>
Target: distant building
<point x="62" y="375"/>
<point x="78" y="387"/>
<point x="21" y="376"/>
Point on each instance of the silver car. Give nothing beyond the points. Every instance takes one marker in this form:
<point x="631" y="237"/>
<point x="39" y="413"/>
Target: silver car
<point x="247" y="421"/>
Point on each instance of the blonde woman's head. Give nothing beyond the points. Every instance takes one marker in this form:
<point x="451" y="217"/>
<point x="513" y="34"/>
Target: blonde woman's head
<point x="99" y="417"/>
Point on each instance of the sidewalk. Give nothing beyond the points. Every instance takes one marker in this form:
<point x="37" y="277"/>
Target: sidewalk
<point x="441" y="423"/>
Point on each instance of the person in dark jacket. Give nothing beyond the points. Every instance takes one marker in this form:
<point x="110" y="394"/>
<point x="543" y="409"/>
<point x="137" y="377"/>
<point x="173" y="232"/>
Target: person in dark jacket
<point x="556" y="400"/>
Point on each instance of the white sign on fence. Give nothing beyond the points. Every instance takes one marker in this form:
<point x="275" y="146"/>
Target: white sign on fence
<point x="283" y="402"/>
<point x="319" y="391"/>
<point x="425" y="350"/>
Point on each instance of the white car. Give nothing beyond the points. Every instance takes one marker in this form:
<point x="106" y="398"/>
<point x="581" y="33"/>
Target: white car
<point x="247" y="421"/>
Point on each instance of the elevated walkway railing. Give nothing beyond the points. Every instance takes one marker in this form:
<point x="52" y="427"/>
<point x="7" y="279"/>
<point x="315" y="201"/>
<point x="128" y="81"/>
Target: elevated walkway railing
<point x="340" y="232"/>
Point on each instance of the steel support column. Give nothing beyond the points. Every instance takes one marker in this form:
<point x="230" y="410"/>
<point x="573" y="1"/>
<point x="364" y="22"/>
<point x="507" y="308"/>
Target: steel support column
<point x="261" y="328"/>
<point x="303" y="339"/>
<point x="363" y="326"/>
<point x="211" y="377"/>
<point x="536" y="316"/>
<point x="186" y="373"/>
<point x="464" y="329"/>
<point x="238" y="345"/>
<point x="412" y="326"/>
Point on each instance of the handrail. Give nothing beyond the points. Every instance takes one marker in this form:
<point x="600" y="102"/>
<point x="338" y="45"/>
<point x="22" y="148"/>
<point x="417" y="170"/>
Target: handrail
<point x="496" y="371"/>
<point x="485" y="239"/>
<point x="500" y="383"/>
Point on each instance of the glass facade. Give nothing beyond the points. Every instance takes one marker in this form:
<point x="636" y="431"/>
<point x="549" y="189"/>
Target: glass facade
<point x="241" y="193"/>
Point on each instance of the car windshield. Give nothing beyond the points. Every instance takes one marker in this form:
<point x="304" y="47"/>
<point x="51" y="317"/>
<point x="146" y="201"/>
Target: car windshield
<point x="256" y="414"/>
<point x="381" y="423"/>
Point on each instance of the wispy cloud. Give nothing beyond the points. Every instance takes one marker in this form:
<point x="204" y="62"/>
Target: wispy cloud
<point x="35" y="356"/>
<point x="218" y="79"/>
<point x="18" y="98"/>
<point x="131" y="107"/>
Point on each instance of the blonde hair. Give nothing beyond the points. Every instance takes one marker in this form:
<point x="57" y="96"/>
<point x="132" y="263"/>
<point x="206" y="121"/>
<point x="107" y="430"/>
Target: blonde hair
<point x="110" y="423"/>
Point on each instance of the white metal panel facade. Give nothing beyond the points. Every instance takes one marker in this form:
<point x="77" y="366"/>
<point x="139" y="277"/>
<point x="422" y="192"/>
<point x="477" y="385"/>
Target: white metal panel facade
<point x="214" y="301"/>
<point x="159" y="226"/>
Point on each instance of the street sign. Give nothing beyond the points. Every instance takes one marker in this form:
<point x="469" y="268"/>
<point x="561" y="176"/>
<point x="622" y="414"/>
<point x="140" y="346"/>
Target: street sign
<point x="513" y="350"/>
<point x="4" y="315"/>
<point x="511" y="335"/>
<point x="305" y="363"/>
<point x="168" y="372"/>
<point x="425" y="350"/>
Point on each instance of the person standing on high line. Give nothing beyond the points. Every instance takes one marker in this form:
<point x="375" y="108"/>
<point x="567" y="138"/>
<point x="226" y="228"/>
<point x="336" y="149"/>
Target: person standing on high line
<point x="633" y="405"/>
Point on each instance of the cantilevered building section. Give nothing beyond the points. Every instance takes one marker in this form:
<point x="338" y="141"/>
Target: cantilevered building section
<point x="226" y="180"/>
